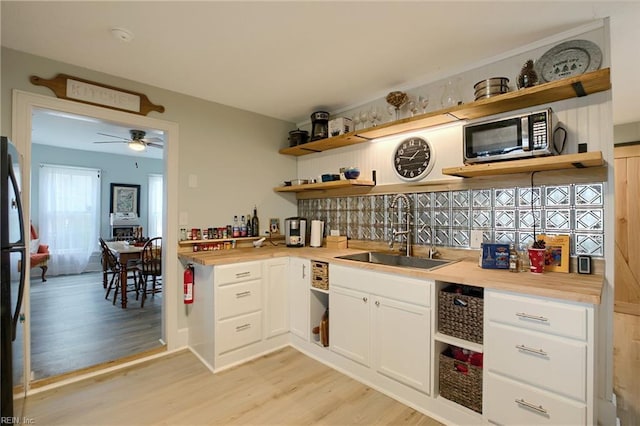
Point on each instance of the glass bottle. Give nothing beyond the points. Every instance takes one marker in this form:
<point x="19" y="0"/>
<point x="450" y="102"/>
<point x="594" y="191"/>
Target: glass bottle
<point x="524" y="258"/>
<point x="249" y="227"/>
<point x="236" y="227"/>
<point x="450" y="94"/>
<point x="255" y="223"/>
<point x="243" y="227"/>
<point x="514" y="260"/>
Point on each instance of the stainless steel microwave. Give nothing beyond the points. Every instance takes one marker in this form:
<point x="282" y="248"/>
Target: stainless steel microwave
<point x="507" y="138"/>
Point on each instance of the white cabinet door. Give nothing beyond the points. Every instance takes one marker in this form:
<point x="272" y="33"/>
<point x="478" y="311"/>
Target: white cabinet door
<point x="402" y="341"/>
<point x="277" y="300"/>
<point x="349" y="325"/>
<point x="299" y="270"/>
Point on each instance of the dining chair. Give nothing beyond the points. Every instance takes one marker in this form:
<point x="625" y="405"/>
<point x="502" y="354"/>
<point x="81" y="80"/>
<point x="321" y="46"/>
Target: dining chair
<point x="112" y="266"/>
<point x="150" y="267"/>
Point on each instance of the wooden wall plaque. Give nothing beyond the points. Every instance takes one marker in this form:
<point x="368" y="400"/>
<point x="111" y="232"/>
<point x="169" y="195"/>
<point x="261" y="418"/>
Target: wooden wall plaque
<point x="89" y="92"/>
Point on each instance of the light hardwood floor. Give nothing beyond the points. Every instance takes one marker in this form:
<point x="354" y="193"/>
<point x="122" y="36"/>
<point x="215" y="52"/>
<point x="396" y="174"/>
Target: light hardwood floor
<point x="282" y="388"/>
<point x="73" y="327"/>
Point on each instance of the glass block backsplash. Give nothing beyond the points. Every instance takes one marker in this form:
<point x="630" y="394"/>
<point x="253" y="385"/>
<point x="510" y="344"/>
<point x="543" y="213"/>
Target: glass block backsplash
<point x="504" y="215"/>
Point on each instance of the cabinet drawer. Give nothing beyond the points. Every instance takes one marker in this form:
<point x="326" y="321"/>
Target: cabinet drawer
<point x="239" y="331"/>
<point x="549" y="362"/>
<point x="509" y="403"/>
<point x="236" y="299"/>
<point x="562" y="319"/>
<point x="237" y="272"/>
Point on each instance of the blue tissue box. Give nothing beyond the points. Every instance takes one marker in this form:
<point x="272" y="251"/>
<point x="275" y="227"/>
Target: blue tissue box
<point x="495" y="256"/>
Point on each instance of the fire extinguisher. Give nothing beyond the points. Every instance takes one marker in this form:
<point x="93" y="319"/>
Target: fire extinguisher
<point x="188" y="285"/>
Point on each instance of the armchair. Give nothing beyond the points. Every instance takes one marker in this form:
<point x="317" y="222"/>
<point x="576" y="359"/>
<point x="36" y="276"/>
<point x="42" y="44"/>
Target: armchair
<point x="38" y="253"/>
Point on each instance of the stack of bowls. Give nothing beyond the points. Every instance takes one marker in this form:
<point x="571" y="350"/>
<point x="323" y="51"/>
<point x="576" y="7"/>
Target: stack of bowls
<point x="491" y="87"/>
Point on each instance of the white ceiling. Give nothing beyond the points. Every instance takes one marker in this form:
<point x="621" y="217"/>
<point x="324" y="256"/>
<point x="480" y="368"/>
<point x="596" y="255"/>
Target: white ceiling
<point x="288" y="59"/>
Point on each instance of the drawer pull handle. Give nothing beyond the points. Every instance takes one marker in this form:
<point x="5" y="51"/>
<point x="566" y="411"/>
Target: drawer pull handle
<point x="539" y="408"/>
<point x="532" y="317"/>
<point x="377" y="303"/>
<point x="243" y="294"/>
<point x="364" y="299"/>
<point x="532" y="350"/>
<point x="243" y="274"/>
<point x="243" y="327"/>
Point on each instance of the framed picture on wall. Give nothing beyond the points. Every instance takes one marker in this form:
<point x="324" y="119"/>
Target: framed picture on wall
<point x="125" y="198"/>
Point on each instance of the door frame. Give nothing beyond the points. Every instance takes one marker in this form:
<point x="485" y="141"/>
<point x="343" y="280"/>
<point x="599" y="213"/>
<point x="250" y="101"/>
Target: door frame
<point x="23" y="104"/>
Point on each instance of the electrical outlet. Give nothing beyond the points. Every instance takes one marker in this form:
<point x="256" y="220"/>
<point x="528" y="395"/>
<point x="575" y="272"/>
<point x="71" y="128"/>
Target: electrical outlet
<point x="476" y="238"/>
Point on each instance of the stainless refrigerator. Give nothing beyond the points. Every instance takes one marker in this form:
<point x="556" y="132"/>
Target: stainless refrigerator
<point x="12" y="249"/>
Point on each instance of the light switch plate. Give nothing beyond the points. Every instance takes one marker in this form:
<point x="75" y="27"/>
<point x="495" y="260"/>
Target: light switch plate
<point x="476" y="238"/>
<point x="193" y="181"/>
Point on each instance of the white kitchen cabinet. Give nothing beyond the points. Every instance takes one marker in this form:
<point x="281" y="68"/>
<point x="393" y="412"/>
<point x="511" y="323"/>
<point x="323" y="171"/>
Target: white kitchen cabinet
<point x="387" y="328"/>
<point x="402" y="341"/>
<point x="276" y="275"/>
<point x="299" y="281"/>
<point x="539" y="360"/>
<point x="349" y="324"/>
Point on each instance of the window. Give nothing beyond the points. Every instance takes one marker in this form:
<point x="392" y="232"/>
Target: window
<point x="155" y="206"/>
<point x="69" y="216"/>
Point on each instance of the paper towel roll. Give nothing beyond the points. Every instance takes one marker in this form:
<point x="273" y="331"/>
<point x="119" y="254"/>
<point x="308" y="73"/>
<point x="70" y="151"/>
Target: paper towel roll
<point x="317" y="229"/>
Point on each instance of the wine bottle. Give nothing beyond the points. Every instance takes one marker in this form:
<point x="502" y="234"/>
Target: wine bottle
<point x="255" y="223"/>
<point x="249" y="227"/>
<point x="243" y="227"/>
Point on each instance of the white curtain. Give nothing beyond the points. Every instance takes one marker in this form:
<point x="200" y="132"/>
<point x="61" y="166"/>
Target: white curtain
<point x="69" y="216"/>
<point x="155" y="206"/>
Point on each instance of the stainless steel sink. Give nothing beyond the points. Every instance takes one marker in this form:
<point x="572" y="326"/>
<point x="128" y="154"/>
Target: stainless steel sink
<point x="397" y="260"/>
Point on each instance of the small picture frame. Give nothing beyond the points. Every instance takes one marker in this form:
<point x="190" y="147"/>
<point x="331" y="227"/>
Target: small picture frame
<point x="557" y="256"/>
<point x="584" y="264"/>
<point x="274" y="226"/>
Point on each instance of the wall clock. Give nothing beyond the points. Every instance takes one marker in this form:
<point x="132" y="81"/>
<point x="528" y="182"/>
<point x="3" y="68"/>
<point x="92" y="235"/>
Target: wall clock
<point x="413" y="159"/>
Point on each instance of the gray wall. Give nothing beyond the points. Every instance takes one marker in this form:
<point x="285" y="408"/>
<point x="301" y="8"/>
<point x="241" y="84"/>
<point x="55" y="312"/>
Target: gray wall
<point x="115" y="169"/>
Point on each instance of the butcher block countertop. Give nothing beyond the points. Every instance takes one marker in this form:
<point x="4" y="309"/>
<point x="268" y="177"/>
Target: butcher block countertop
<point x="557" y="285"/>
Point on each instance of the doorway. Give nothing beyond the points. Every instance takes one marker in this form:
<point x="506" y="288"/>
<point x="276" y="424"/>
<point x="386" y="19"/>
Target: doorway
<point x="24" y="105"/>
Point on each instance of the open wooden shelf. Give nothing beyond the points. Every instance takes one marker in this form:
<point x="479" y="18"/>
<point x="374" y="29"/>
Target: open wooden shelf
<point x="219" y="240"/>
<point x="325" y="185"/>
<point x="582" y="85"/>
<point x="554" y="162"/>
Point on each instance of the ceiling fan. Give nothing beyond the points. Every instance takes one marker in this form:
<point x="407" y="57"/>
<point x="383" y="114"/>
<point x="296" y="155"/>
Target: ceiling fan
<point x="137" y="142"/>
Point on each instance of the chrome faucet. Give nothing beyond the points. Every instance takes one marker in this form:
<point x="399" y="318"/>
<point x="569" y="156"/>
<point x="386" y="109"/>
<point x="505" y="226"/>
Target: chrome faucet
<point x="407" y="232"/>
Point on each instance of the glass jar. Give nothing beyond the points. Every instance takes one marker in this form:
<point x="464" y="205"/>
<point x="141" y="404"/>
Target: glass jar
<point x="450" y="94"/>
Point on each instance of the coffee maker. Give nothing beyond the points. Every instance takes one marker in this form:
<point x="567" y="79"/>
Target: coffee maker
<point x="295" y="231"/>
<point x="319" y="125"/>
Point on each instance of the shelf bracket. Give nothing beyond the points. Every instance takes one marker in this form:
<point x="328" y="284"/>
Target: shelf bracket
<point x="579" y="89"/>
<point x="578" y="165"/>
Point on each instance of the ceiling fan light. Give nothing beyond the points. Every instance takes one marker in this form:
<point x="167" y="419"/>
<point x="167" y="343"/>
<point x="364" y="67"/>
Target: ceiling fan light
<point x="137" y="145"/>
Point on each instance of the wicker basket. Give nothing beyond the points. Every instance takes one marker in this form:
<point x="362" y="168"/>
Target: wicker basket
<point x="461" y="314"/>
<point x="320" y="275"/>
<point x="464" y="388"/>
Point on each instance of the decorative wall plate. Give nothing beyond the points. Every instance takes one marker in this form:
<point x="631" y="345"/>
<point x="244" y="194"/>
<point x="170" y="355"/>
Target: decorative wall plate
<point x="568" y="59"/>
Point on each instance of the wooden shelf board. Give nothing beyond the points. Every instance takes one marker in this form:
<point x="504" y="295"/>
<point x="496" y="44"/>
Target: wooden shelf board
<point x="557" y="162"/>
<point x="582" y="85"/>
<point x="441" y="337"/>
<point x="219" y="240"/>
<point x="325" y="185"/>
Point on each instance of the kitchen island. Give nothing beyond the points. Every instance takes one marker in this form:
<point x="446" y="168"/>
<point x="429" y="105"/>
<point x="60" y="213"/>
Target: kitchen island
<point x="539" y="348"/>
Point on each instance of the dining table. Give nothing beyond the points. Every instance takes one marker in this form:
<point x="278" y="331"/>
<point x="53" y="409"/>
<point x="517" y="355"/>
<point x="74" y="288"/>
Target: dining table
<point x="124" y="252"/>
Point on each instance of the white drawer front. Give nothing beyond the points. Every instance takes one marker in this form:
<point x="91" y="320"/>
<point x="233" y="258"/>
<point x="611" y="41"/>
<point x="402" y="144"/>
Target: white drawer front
<point x="236" y="299"/>
<point x="509" y="403"/>
<point x="239" y="331"/>
<point x="398" y="287"/>
<point x="562" y="319"/>
<point x="237" y="272"/>
<point x="552" y="363"/>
